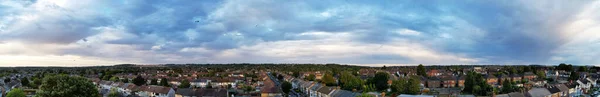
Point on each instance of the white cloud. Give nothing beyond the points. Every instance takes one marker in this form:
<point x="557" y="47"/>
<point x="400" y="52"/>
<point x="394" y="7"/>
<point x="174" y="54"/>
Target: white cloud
<point x="408" y="32"/>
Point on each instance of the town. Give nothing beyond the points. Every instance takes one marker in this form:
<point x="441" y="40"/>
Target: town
<point x="303" y="80"/>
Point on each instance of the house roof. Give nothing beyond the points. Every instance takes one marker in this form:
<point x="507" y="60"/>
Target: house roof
<point x="325" y="90"/>
<point x="562" y="87"/>
<point x="158" y="89"/>
<point x="502" y="95"/>
<point x="553" y="89"/>
<point x="538" y="92"/>
<point x="186" y="92"/>
<point x="516" y="94"/>
<point x="211" y="92"/>
<point x="343" y="93"/>
<point x="529" y="74"/>
<point x="571" y="85"/>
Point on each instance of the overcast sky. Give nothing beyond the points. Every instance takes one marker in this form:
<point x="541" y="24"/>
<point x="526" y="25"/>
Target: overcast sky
<point x="404" y="32"/>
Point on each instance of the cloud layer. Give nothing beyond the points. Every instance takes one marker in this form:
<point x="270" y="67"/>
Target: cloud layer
<point x="98" y="32"/>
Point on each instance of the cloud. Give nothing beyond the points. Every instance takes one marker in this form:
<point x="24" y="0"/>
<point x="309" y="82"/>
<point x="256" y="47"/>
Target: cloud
<point x="342" y="31"/>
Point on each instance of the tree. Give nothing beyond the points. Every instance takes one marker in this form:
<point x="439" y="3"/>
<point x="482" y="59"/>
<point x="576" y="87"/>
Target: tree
<point x="6" y="80"/>
<point x="247" y="88"/>
<point x="540" y="74"/>
<point x="139" y="81"/>
<point x="413" y="86"/>
<point x="328" y="80"/>
<point x="507" y="87"/>
<point x="164" y="82"/>
<point x="380" y="80"/>
<point x="398" y="86"/>
<point x="114" y="93"/>
<point x="125" y="80"/>
<point x="67" y="86"/>
<point x="154" y="82"/>
<point x="383" y="68"/>
<point x="286" y="87"/>
<point x="421" y="70"/>
<point x="36" y="83"/>
<point x="582" y="69"/>
<point x="574" y="76"/>
<point x="17" y="92"/>
<point x="296" y="74"/>
<point x="365" y="95"/>
<point x="311" y="77"/>
<point x="369" y="88"/>
<point x="350" y="82"/>
<point x="184" y="84"/>
<point x="114" y="79"/>
<point x="279" y="77"/>
<point x="24" y="81"/>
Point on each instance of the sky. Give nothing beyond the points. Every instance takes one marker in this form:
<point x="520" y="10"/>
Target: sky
<point x="362" y="32"/>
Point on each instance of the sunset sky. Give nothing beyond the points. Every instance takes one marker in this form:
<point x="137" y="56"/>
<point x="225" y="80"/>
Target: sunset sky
<point x="400" y="32"/>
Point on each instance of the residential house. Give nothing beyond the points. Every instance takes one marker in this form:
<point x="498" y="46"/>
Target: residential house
<point x="433" y="82"/>
<point x="538" y="92"/>
<point x="529" y="76"/>
<point x="448" y="81"/>
<point x="344" y="93"/>
<point x="503" y="77"/>
<point x="433" y="72"/>
<point x="325" y="91"/>
<point x="461" y="81"/>
<point x="215" y="93"/>
<point x="574" y="89"/>
<point x="516" y="77"/>
<point x="516" y="94"/>
<point x="185" y="92"/>
<point x="584" y="84"/>
<point x="491" y="79"/>
<point x="558" y="90"/>
<point x="313" y="92"/>
<point x="157" y="91"/>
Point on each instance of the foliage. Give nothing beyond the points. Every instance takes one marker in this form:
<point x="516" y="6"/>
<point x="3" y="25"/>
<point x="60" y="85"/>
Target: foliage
<point x="582" y="69"/>
<point x="574" y="76"/>
<point x="247" y="88"/>
<point x="154" y="82"/>
<point x="540" y="74"/>
<point x="17" y="92"/>
<point x="67" y="86"/>
<point x="563" y="66"/>
<point x="475" y="84"/>
<point x="36" y="83"/>
<point x="286" y="87"/>
<point x="413" y="86"/>
<point x="114" y="93"/>
<point x="164" y="82"/>
<point x="380" y="80"/>
<point x="350" y="82"/>
<point x="296" y="74"/>
<point x="125" y="80"/>
<point x="328" y="80"/>
<point x="365" y="95"/>
<point x="114" y="79"/>
<point x="139" y="81"/>
<point x="398" y="86"/>
<point x="25" y="81"/>
<point x="184" y="84"/>
<point x="507" y="87"/>
<point x="421" y="70"/>
<point x="311" y="77"/>
<point x="369" y="88"/>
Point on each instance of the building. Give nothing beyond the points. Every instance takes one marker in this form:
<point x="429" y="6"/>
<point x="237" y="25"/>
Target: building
<point x="491" y="79"/>
<point x="433" y="82"/>
<point x="448" y="81"/>
<point x="158" y="91"/>
<point x="538" y="92"/>
<point x="516" y="77"/>
<point x="461" y="81"/>
<point x="325" y="92"/>
<point x="529" y="76"/>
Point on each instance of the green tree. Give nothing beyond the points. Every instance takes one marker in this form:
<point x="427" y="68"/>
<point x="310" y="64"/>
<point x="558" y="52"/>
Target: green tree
<point x="421" y="70"/>
<point x="369" y="88"/>
<point x="328" y="80"/>
<point x="114" y="93"/>
<point x="574" y="76"/>
<point x="164" y="82"/>
<point x="139" y="81"/>
<point x="247" y="88"/>
<point x="67" y="86"/>
<point x="17" y="92"/>
<point x="296" y="74"/>
<point x="582" y="69"/>
<point x="413" y="86"/>
<point x="154" y="82"/>
<point x="311" y="77"/>
<point x="365" y="95"/>
<point x="125" y="80"/>
<point x="114" y="79"/>
<point x="380" y="80"/>
<point x="540" y="74"/>
<point x="25" y="81"/>
<point x="507" y="87"/>
<point x="286" y="87"/>
<point x="36" y="83"/>
<point x="350" y="82"/>
<point x="398" y="86"/>
<point x="184" y="84"/>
